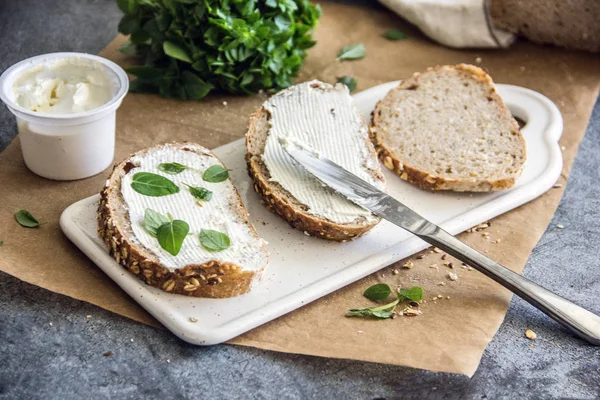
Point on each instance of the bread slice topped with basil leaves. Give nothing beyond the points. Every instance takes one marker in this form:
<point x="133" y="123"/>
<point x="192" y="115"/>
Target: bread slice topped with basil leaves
<point x="171" y="215"/>
<point x="448" y="129"/>
<point x="323" y="118"/>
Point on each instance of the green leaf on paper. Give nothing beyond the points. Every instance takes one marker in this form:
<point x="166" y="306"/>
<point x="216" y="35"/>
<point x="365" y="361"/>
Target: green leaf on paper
<point x="394" y="34"/>
<point x="348" y="81"/>
<point x="380" y="291"/>
<point x="354" y="51"/>
<point x="25" y="219"/>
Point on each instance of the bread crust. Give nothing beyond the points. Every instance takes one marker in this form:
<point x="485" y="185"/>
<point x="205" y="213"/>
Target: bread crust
<point x="423" y="179"/>
<point x="283" y="203"/>
<point x="213" y="279"/>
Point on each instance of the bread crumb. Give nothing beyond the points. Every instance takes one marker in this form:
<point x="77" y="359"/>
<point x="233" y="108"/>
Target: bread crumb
<point x="530" y="334"/>
<point x="478" y="60"/>
<point x="224" y="103"/>
<point x="408" y="264"/>
<point x="452" y="276"/>
<point x="560" y="226"/>
<point x="557" y="185"/>
<point x="442" y="284"/>
<point x="412" y="313"/>
<point x="436" y="250"/>
<point x="563" y="148"/>
<point x="88" y="316"/>
<point x="193" y="319"/>
<point x="447" y="297"/>
<point x="395" y="271"/>
<point x="361" y="332"/>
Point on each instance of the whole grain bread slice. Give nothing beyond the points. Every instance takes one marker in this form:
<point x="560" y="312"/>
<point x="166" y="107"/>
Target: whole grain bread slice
<point x="448" y="129"/>
<point x="214" y="278"/>
<point x="281" y="201"/>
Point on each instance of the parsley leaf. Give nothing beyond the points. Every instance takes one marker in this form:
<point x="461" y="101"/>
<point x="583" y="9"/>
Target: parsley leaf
<point x="188" y="48"/>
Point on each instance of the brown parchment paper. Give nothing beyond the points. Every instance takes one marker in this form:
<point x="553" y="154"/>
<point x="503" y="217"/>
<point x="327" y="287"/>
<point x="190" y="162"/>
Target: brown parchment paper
<point x="452" y="334"/>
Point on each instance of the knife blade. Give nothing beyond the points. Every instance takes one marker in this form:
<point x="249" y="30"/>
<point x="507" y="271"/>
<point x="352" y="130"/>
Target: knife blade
<point x="580" y="321"/>
<point x="357" y="190"/>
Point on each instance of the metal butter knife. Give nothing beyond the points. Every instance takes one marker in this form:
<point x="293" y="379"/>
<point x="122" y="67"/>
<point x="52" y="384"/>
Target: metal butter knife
<point x="582" y="322"/>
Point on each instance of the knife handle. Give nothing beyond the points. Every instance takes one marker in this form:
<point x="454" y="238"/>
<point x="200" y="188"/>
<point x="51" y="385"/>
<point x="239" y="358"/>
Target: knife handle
<point x="582" y="322"/>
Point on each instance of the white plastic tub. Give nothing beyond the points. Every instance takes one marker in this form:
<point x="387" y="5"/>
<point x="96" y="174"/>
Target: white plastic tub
<point x="66" y="146"/>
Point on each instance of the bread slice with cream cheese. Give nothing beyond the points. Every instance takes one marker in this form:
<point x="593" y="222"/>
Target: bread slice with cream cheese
<point x="195" y="270"/>
<point x="448" y="129"/>
<point x="324" y="118"/>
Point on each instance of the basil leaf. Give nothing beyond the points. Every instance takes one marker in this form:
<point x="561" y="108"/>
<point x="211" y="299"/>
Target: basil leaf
<point x="172" y="168"/>
<point x="195" y="88"/>
<point x="200" y="193"/>
<point x="1" y="242"/>
<point x="177" y="52"/>
<point x="214" y="240"/>
<point x="380" y="291"/>
<point x="25" y="219"/>
<point x="394" y="34"/>
<point x="415" y="293"/>
<point x="154" y="220"/>
<point x="348" y="81"/>
<point x="171" y="235"/>
<point x="154" y="185"/>
<point x="354" y="51"/>
<point x="216" y="174"/>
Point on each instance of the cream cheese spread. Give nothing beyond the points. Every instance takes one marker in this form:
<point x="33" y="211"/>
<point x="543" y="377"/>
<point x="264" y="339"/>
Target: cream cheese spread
<point x="324" y="119"/>
<point x="219" y="214"/>
<point x="65" y="86"/>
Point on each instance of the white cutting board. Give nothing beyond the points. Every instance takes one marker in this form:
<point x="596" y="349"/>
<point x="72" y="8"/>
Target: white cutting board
<point x="302" y="268"/>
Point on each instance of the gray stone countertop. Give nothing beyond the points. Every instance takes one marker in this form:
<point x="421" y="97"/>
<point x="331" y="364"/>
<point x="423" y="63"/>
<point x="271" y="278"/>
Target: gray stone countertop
<point x="51" y="349"/>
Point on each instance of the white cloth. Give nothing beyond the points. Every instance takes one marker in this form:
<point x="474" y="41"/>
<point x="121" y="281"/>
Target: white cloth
<point x="454" y="23"/>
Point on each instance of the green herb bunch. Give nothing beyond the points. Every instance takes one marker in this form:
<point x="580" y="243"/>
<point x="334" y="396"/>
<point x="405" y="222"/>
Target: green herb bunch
<point x="190" y="47"/>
